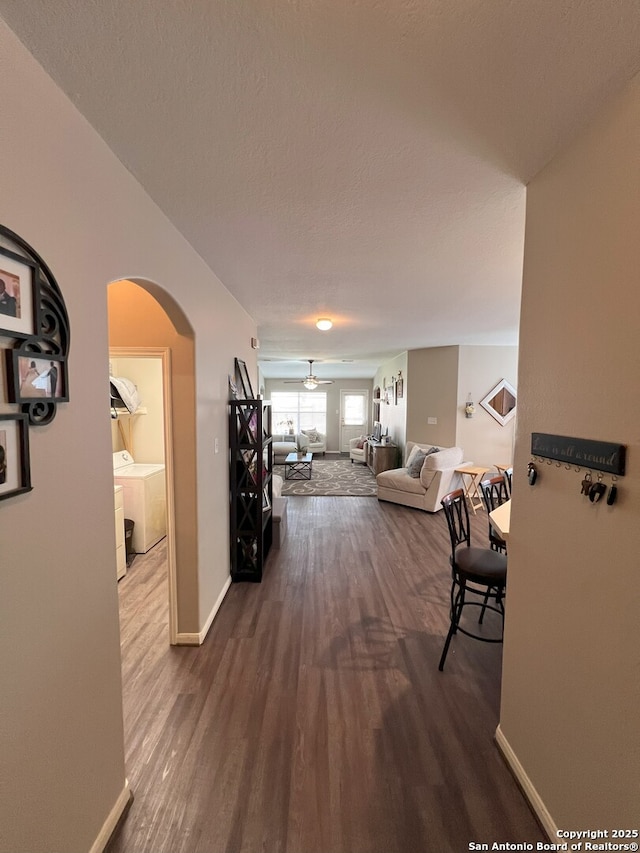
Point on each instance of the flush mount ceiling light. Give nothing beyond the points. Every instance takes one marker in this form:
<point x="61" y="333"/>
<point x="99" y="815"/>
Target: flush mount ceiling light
<point x="324" y="324"/>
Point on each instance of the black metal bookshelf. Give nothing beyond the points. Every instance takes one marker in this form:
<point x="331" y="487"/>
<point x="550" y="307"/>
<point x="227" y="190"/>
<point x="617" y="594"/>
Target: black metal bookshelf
<point x="250" y="488"/>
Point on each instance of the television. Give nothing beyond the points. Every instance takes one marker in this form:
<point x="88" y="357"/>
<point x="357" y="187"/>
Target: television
<point x="377" y="431"/>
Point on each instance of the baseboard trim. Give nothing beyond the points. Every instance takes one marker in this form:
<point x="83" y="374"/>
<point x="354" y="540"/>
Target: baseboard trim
<point x="115" y="816"/>
<point x="184" y="639"/>
<point x="526" y="785"/>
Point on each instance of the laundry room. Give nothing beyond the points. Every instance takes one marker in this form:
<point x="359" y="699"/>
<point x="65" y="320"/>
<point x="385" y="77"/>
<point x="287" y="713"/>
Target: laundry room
<point x="138" y="441"/>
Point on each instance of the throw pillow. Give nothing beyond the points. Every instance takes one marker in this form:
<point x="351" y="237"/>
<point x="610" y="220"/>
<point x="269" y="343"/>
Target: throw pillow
<point x="360" y="443"/>
<point x="312" y="434"/>
<point x="416" y="464"/>
<point x="417" y="448"/>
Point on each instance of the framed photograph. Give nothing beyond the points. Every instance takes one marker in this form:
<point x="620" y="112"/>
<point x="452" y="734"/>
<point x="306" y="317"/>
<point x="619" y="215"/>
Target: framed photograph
<point x="250" y="465"/>
<point x="400" y="388"/>
<point x="233" y="389"/>
<point x="253" y="425"/>
<point x="38" y="376"/>
<point x="4" y="383"/>
<point x="15" y="472"/>
<point x="17" y="294"/>
<point x="242" y="379"/>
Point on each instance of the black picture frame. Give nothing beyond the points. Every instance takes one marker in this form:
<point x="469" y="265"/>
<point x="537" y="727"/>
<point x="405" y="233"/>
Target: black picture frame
<point x="15" y="466"/>
<point x="31" y="375"/>
<point x="41" y="331"/>
<point x="18" y="296"/>
<point x="242" y="379"/>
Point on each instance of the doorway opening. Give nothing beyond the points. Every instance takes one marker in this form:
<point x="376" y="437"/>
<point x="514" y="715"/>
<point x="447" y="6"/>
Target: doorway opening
<point x="149" y="334"/>
<point x="354" y="417"/>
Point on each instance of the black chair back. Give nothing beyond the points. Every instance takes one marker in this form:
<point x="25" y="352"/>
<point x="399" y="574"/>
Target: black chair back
<point x="508" y="474"/>
<point x="494" y="491"/>
<point x="456" y="513"/>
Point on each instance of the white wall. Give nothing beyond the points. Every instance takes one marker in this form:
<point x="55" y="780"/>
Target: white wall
<point x="142" y="434"/>
<point x="484" y="439"/>
<point x="433" y="393"/>
<point x="60" y="706"/>
<point x="571" y="679"/>
<point x="393" y="415"/>
<point x="438" y="382"/>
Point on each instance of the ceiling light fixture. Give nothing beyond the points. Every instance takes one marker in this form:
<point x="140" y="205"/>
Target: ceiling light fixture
<point x="310" y="383"/>
<point x="324" y="324"/>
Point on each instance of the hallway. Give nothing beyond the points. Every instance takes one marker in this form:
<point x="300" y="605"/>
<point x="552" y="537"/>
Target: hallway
<point x="314" y="719"/>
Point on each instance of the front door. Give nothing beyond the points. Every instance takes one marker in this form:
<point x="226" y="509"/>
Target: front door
<point x="354" y="406"/>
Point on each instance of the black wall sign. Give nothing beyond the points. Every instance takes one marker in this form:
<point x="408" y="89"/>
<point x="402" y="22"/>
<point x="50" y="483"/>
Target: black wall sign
<point x="599" y="455"/>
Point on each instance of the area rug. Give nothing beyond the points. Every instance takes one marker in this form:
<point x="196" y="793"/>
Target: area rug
<point x="335" y="477"/>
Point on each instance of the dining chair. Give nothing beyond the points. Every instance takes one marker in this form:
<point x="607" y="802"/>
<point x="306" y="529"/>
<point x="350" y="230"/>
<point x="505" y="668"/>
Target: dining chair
<point x="479" y="572"/>
<point x="508" y="474"/>
<point x="495" y="493"/>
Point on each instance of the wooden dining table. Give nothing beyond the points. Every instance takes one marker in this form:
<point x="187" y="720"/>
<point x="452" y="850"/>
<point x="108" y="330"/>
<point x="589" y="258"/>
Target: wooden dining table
<point x="501" y="519"/>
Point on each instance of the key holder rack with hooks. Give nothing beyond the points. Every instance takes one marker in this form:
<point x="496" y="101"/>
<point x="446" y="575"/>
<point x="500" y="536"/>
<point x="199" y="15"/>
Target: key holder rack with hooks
<point x="579" y="454"/>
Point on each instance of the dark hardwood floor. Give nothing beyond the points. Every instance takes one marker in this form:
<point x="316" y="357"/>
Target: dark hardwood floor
<point x="314" y="719"/>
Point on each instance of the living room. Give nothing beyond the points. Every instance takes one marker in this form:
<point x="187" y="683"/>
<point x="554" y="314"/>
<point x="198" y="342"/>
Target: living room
<point x="437" y="384"/>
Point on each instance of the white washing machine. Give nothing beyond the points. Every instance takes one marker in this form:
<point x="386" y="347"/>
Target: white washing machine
<point x="144" y="495"/>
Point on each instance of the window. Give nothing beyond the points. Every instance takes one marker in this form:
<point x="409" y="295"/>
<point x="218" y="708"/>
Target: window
<point x="354" y="409"/>
<point x="292" y="411"/>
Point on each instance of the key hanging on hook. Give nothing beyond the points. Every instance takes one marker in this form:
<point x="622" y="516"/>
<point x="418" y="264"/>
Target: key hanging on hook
<point x="586" y="484"/>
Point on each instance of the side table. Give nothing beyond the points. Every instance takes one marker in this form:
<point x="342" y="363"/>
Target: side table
<point x="471" y="477"/>
<point x="380" y="457"/>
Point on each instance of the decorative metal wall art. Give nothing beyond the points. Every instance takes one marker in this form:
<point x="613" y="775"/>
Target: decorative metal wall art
<point x="34" y="338"/>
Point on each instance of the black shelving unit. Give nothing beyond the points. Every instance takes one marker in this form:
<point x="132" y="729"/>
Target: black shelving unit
<point x="250" y="488"/>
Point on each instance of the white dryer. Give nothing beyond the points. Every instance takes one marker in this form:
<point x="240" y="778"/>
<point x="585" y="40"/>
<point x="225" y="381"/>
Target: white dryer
<point x="144" y="496"/>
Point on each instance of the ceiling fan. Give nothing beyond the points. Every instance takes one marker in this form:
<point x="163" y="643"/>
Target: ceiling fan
<point x="311" y="382"/>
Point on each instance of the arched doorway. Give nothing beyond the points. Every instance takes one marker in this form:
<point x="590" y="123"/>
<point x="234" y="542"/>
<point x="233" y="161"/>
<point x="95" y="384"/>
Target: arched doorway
<point x="145" y="321"/>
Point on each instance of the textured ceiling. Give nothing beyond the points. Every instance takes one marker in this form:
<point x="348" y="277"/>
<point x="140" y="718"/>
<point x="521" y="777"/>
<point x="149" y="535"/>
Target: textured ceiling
<point x="363" y="160"/>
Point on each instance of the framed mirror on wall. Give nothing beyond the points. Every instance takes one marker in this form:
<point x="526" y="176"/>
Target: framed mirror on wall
<point x="500" y="402"/>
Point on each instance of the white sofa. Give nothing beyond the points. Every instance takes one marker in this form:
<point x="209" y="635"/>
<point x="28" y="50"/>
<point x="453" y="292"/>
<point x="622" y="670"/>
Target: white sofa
<point x="436" y="478"/>
<point x="315" y="447"/>
<point x="283" y="444"/>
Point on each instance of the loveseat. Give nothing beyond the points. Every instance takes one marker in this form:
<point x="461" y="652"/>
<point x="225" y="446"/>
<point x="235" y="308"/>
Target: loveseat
<point x="433" y="477"/>
<point x="283" y="444"/>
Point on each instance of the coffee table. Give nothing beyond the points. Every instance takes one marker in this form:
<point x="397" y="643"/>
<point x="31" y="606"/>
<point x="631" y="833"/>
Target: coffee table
<point x="297" y="466"/>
